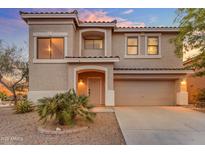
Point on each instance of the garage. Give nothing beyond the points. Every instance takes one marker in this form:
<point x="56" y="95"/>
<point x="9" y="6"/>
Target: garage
<point x="144" y="92"/>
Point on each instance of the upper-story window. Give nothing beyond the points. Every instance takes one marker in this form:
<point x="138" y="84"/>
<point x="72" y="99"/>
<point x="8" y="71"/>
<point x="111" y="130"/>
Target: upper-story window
<point x="50" y="48"/>
<point x="93" y="44"/>
<point x="132" y="45"/>
<point x="153" y="45"/>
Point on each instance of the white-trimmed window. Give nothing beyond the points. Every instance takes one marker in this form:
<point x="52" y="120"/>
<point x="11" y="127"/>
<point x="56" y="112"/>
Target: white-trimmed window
<point x="50" y="48"/>
<point x="153" y="45"/>
<point x="132" y="46"/>
<point x="93" y="44"/>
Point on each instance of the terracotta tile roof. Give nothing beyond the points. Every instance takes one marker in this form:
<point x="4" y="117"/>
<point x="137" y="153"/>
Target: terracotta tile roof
<point x="92" y="57"/>
<point x="73" y="12"/>
<point x="96" y="22"/>
<point x="149" y="69"/>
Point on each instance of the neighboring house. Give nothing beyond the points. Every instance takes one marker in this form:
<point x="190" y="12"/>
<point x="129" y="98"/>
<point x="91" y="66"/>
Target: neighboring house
<point x="194" y="84"/>
<point x="113" y="65"/>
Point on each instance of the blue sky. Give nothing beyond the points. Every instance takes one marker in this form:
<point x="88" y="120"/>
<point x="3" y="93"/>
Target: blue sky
<point x="13" y="30"/>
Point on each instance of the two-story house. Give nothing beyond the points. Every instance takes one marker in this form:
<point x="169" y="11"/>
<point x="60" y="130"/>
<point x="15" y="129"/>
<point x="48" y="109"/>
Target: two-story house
<point x="112" y="65"/>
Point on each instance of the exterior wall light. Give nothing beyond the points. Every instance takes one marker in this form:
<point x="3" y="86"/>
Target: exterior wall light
<point x="183" y="85"/>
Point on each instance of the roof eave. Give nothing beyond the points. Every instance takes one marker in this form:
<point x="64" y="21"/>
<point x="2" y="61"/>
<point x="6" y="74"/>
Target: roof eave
<point x="153" y="72"/>
<point x="27" y="16"/>
<point x="147" y="29"/>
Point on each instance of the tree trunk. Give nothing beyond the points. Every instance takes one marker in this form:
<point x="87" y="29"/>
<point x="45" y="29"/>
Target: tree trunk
<point x="14" y="95"/>
<point x="12" y="88"/>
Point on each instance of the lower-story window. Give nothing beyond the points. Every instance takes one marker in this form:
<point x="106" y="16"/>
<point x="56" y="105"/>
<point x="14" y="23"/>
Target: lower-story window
<point x="50" y="48"/>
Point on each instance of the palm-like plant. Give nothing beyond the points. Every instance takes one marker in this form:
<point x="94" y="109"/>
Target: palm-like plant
<point x="23" y="106"/>
<point x="64" y="108"/>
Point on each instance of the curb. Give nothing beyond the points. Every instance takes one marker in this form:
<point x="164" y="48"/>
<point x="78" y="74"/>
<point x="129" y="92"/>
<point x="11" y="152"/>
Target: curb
<point x="42" y="130"/>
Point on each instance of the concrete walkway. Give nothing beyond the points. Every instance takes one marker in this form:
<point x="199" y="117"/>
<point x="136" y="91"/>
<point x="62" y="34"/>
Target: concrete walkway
<point x="161" y="125"/>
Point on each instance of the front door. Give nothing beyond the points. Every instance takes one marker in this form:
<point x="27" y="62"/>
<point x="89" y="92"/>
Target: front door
<point x="94" y="90"/>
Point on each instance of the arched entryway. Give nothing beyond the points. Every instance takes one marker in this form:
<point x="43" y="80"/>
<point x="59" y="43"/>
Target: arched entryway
<point x="107" y="80"/>
<point x="92" y="83"/>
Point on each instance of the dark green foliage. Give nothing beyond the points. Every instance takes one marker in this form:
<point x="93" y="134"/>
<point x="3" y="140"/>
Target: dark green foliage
<point x="64" y="108"/>
<point x="3" y="96"/>
<point x="201" y="98"/>
<point x="192" y="36"/>
<point x="24" y="106"/>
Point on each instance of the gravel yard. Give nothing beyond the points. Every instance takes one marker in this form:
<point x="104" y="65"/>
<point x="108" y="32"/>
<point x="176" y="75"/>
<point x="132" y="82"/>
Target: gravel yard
<point x="22" y="129"/>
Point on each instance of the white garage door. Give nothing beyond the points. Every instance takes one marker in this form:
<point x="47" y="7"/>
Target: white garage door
<point x="144" y="92"/>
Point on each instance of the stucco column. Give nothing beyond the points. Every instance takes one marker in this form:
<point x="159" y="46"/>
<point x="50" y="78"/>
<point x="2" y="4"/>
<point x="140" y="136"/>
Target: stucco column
<point x="109" y="42"/>
<point x="69" y="45"/>
<point x="71" y="77"/>
<point x="110" y="94"/>
<point x="181" y="92"/>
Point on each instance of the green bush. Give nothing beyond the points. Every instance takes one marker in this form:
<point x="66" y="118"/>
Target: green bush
<point x="64" y="108"/>
<point x="3" y="96"/>
<point x="23" y="106"/>
<point x="200" y="98"/>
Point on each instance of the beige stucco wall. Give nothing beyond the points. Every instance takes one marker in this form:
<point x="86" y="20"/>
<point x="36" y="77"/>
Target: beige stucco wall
<point x="69" y="29"/>
<point x="49" y="77"/>
<point x="168" y="58"/>
<point x="72" y="67"/>
<point x="107" y="41"/>
<point x="57" y="77"/>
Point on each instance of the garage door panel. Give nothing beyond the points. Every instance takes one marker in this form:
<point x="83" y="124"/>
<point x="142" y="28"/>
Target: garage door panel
<point x="137" y="92"/>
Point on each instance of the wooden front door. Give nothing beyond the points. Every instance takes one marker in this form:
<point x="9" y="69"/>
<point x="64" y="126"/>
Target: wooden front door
<point x="94" y="90"/>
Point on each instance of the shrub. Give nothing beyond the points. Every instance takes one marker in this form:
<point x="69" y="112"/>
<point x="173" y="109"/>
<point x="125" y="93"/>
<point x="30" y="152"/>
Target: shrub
<point x="64" y="108"/>
<point x="200" y="98"/>
<point x="3" y="96"/>
<point x="23" y="106"/>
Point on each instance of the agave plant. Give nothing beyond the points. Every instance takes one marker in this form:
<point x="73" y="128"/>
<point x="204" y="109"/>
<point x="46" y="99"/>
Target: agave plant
<point x="23" y="106"/>
<point x="64" y="108"/>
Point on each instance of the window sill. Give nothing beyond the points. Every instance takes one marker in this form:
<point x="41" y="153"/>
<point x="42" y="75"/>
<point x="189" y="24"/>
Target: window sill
<point x="143" y="56"/>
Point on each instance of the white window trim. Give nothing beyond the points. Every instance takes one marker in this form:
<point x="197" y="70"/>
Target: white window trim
<point x="50" y="34"/>
<point x="139" y="53"/>
<point x="93" y="29"/>
<point x="159" y="52"/>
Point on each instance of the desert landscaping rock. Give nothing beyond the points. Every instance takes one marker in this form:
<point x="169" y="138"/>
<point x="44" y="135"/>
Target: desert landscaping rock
<point x="22" y="129"/>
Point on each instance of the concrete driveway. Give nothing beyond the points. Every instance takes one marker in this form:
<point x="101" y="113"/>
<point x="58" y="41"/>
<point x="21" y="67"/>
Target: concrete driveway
<point x="161" y="125"/>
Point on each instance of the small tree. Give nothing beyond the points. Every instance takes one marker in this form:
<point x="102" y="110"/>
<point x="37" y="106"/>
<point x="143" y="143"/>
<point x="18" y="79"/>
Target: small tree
<point x="192" y="36"/>
<point x="13" y="67"/>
